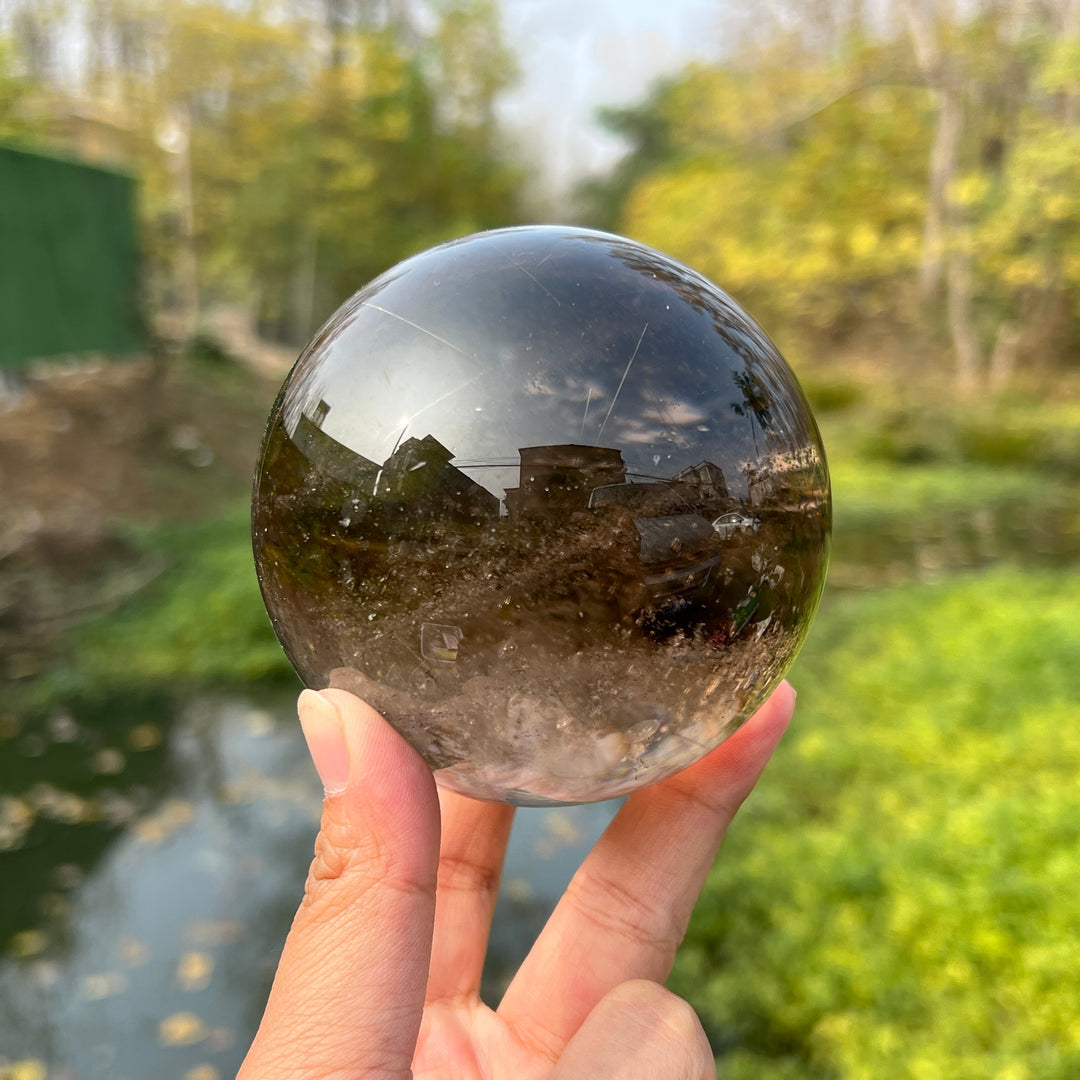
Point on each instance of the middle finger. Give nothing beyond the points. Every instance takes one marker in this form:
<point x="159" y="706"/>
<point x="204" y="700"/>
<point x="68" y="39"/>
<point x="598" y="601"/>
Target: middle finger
<point x="626" y="910"/>
<point x="474" y="839"/>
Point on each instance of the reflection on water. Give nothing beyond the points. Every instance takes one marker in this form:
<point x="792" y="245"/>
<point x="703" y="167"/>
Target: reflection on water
<point x="933" y="544"/>
<point x="152" y="857"/>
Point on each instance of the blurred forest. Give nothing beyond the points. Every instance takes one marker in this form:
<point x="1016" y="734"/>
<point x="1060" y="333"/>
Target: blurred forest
<point x="899" y="168"/>
<point x="287" y="152"/>
<point x="893" y="189"/>
<point x="853" y="172"/>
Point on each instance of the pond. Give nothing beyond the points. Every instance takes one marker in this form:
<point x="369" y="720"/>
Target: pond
<point x="150" y="871"/>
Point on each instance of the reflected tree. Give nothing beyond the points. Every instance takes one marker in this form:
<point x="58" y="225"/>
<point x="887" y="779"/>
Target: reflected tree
<point x="756" y="404"/>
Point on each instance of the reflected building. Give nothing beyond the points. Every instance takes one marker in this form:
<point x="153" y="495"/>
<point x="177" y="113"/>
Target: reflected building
<point x="704" y="487"/>
<point x="416" y="484"/>
<point x="419" y="479"/>
<point x="556" y="480"/>
<point x="332" y="458"/>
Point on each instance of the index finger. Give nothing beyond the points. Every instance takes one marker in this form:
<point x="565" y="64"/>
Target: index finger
<point x="626" y="909"/>
<point x="349" y="990"/>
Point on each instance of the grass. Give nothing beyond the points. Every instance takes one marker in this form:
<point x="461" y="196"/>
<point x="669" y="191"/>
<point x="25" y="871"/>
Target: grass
<point x="201" y="621"/>
<point x="899" y="898"/>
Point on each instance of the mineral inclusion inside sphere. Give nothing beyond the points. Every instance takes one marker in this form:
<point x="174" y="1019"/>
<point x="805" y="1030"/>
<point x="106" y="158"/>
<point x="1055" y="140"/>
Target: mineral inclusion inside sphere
<point x="551" y="502"/>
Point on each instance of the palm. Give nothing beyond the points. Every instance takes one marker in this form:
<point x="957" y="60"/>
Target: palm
<point x="469" y="1041"/>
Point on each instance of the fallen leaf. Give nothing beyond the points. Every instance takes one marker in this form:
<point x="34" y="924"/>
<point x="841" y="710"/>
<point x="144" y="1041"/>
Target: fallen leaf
<point x="203" y="1072"/>
<point x="28" y="943"/>
<point x="133" y="952"/>
<point x="194" y="970"/>
<point x="181" y="1029"/>
<point x="28" y="1069"/>
<point x="104" y="985"/>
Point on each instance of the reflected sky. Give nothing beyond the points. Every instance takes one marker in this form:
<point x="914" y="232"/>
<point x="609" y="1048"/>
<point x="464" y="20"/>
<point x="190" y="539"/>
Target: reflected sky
<point x="550" y="336"/>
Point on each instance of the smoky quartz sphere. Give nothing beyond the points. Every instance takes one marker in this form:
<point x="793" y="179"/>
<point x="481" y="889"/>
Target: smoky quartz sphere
<point x="552" y="503"/>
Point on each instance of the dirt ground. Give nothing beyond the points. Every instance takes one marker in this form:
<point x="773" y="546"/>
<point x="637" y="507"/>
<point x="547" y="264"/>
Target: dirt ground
<point x="88" y="445"/>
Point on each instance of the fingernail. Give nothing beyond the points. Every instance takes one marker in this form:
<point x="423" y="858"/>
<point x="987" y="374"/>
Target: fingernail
<point x="325" y="735"/>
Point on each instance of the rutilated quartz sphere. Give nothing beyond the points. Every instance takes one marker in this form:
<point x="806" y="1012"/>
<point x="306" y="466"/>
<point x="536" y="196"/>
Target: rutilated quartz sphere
<point x="552" y="503"/>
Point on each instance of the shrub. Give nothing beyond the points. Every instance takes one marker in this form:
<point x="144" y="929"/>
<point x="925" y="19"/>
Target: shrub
<point x="899" y="897"/>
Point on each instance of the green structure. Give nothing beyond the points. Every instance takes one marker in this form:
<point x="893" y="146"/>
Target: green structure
<point x="68" y="259"/>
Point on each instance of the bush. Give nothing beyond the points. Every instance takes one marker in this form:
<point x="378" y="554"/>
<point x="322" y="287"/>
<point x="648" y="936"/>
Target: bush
<point x="833" y="394"/>
<point x="899" y="898"/>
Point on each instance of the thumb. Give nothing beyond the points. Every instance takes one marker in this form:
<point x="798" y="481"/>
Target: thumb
<point x="349" y="990"/>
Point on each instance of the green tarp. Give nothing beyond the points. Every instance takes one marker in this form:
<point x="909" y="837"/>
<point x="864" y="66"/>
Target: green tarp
<point x="68" y="259"/>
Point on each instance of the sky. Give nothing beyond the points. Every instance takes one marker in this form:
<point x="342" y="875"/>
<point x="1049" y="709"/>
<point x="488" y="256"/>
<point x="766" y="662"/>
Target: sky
<point x="576" y="55"/>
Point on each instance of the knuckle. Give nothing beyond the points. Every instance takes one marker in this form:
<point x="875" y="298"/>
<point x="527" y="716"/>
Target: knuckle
<point x="677" y="1016"/>
<point x="359" y="858"/>
<point x="667" y="1022"/>
<point x="466" y="876"/>
<point x="611" y="906"/>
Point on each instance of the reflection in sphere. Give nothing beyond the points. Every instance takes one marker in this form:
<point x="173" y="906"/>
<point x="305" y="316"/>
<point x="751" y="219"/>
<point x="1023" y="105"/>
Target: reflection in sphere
<point x="552" y="503"/>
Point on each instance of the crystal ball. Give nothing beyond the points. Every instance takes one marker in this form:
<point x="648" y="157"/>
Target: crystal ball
<point x="551" y="502"/>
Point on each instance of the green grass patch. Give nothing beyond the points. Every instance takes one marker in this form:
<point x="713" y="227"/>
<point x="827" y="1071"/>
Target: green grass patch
<point x="899" y="898"/>
<point x="1014" y="434"/>
<point x="201" y="621"/>
<point x="872" y="491"/>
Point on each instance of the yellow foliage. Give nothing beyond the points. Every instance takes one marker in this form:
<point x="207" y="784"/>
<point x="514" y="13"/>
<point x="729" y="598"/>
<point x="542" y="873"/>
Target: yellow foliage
<point x="1059" y="207"/>
<point x="863" y="240"/>
<point x="969" y="190"/>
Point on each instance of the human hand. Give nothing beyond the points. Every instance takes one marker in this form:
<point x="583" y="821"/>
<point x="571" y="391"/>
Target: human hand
<point x="380" y="974"/>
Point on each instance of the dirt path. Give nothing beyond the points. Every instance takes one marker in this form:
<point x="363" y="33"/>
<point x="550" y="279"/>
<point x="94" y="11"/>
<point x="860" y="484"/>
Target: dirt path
<point x="86" y="446"/>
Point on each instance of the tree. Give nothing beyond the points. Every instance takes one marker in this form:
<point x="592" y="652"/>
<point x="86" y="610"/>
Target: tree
<point x="15" y="122"/>
<point x="918" y="167"/>
<point x="767" y="196"/>
<point x="290" y="152"/>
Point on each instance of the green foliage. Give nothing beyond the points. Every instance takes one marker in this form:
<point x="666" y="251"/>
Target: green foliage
<point x="284" y="162"/>
<point x="804" y="179"/>
<point x="831" y="394"/>
<point x="1001" y="436"/>
<point x="201" y="621"/>
<point x="869" y="491"/>
<point x="899" y="898"/>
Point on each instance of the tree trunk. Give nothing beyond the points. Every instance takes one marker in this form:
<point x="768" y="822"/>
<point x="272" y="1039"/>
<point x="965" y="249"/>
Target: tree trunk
<point x="1003" y="358"/>
<point x="961" y="326"/>
<point x="942" y="255"/>
<point x="944" y="156"/>
<point x="1070" y="32"/>
<point x="176" y="140"/>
